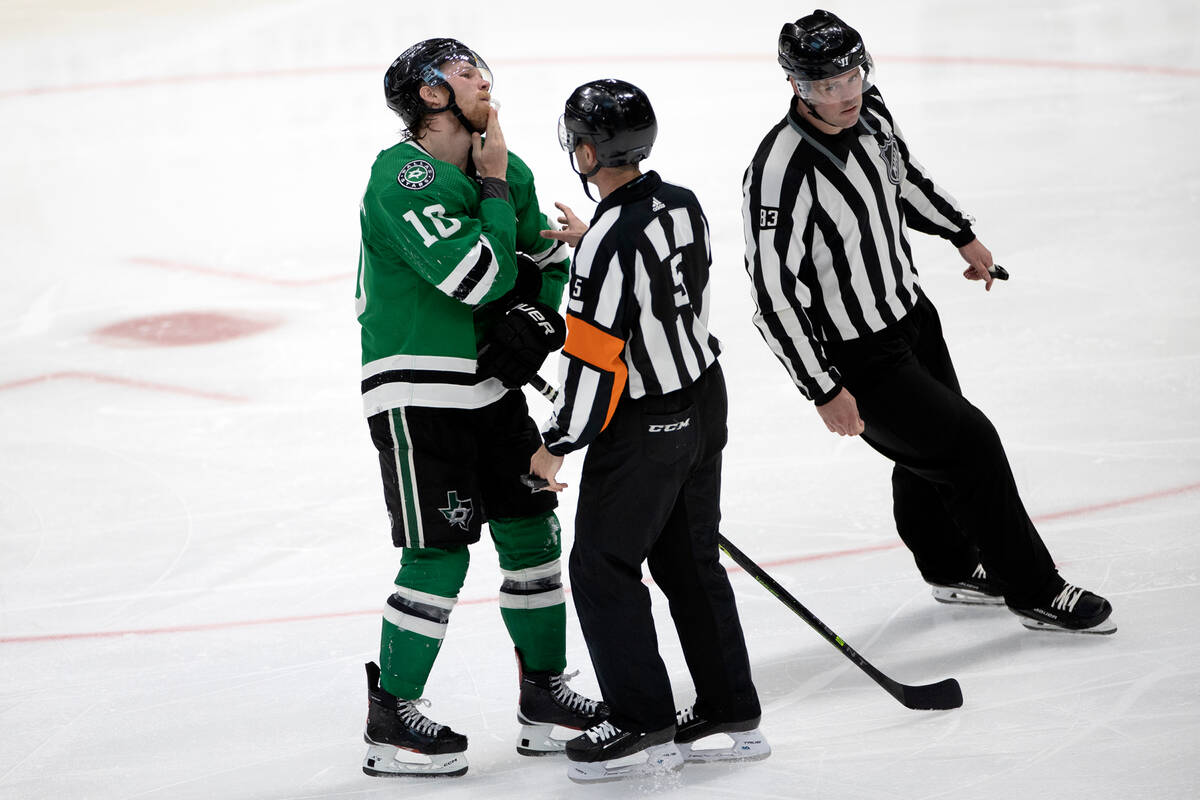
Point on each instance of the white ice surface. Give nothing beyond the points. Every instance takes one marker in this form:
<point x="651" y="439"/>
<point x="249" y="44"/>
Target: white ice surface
<point x="193" y="545"/>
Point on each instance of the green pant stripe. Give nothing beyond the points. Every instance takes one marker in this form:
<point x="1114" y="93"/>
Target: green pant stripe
<point x="406" y="479"/>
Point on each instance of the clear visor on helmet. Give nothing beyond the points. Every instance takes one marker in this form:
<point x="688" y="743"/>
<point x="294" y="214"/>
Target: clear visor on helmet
<point x="462" y="65"/>
<point x="566" y="138"/>
<point x="840" y="88"/>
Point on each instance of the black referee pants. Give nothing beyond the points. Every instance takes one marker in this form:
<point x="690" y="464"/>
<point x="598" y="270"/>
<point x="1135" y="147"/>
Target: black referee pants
<point x="954" y="497"/>
<point x="650" y="491"/>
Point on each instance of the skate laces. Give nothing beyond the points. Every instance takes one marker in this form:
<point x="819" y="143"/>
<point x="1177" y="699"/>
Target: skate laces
<point x="602" y="732"/>
<point x="411" y="716"/>
<point x="1067" y="598"/>
<point x="685" y="716"/>
<point x="568" y="697"/>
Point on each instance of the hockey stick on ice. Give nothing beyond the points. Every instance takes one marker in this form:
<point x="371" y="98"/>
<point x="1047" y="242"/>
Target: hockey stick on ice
<point x="934" y="696"/>
<point x="938" y="696"/>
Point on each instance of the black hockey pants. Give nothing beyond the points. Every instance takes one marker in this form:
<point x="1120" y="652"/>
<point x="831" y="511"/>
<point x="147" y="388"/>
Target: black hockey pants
<point x="650" y="491"/>
<point x="954" y="497"/>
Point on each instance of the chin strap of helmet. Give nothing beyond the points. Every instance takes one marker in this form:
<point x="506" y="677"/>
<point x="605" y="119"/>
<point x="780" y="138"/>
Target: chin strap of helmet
<point x="583" y="177"/>
<point x="452" y="107"/>
<point x="427" y="76"/>
<point x="816" y="113"/>
<point x="811" y="108"/>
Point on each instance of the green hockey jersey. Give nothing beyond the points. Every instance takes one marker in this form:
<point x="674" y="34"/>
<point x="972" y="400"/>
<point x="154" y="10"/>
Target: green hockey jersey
<point x="433" y="259"/>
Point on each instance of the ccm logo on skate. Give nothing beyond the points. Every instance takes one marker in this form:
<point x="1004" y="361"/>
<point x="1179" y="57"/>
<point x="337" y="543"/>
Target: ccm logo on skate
<point x="674" y="426"/>
<point x="537" y="317"/>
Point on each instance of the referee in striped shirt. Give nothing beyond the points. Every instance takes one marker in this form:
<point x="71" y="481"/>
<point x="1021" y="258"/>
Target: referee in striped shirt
<point x="642" y="389"/>
<point x="827" y="199"/>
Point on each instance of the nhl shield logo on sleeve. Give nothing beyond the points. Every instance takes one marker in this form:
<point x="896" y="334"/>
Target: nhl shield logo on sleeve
<point x="889" y="151"/>
<point x="416" y="175"/>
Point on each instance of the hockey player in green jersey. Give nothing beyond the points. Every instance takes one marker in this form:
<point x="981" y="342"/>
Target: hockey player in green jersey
<point x="457" y="297"/>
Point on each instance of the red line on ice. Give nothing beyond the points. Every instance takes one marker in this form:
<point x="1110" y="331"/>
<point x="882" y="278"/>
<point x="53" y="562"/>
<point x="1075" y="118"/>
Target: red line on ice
<point x="1141" y="498"/>
<point x="119" y="381"/>
<point x="180" y="266"/>
<point x="212" y="626"/>
<point x="305" y="72"/>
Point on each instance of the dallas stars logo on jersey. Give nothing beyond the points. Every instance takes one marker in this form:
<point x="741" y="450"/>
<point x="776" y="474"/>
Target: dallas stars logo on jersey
<point x="457" y="512"/>
<point x="416" y="175"/>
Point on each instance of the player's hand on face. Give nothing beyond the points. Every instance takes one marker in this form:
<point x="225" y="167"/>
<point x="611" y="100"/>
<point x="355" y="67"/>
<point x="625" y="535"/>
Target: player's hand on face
<point x="980" y="260"/>
<point x="573" y="228"/>
<point x="840" y="415"/>
<point x="490" y="154"/>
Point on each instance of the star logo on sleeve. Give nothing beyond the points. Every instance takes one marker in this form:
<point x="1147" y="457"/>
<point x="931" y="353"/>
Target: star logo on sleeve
<point x="457" y="512"/>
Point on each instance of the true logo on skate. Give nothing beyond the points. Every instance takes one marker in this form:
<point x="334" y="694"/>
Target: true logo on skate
<point x="416" y="175"/>
<point x="674" y="426"/>
<point x="457" y="512"/>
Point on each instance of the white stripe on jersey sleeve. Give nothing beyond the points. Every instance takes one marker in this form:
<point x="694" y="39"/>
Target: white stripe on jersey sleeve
<point x="609" y="301"/>
<point x="685" y="347"/>
<point x="920" y="201"/>
<point x="769" y="267"/>
<point x="556" y="252"/>
<point x="923" y="203"/>
<point x="682" y="227"/>
<point x="700" y="330"/>
<point x="453" y="282"/>
<point x="584" y="400"/>
<point x="654" y="335"/>
<point x="658" y="238"/>
<point x="586" y="252"/>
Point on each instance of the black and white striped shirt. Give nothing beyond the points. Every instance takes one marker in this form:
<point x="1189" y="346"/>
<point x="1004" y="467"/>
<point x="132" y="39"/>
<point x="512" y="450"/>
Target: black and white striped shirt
<point x="826" y="249"/>
<point x="637" y="314"/>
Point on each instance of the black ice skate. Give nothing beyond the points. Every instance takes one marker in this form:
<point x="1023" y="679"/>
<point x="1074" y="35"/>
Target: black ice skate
<point x="748" y="742"/>
<point x="1070" y="610"/>
<point x="403" y="741"/>
<point x="547" y="701"/>
<point x="976" y="590"/>
<point x="593" y="753"/>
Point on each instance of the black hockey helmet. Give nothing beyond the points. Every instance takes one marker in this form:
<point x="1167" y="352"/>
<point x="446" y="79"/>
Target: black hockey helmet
<point x="614" y="116"/>
<point x="424" y="64"/>
<point x="821" y="46"/>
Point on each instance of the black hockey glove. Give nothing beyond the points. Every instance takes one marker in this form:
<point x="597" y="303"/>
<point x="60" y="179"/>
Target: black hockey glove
<point x="528" y="284"/>
<point x="520" y="341"/>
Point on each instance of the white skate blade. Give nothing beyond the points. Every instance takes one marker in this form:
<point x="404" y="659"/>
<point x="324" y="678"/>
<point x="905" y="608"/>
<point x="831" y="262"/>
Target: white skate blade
<point x="746" y="746"/>
<point x="387" y="761"/>
<point x="964" y="597"/>
<point x="537" y="739"/>
<point x="653" y="762"/>
<point x="1104" y="628"/>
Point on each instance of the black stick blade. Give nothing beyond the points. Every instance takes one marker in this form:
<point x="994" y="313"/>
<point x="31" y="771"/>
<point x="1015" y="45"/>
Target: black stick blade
<point x="938" y="696"/>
